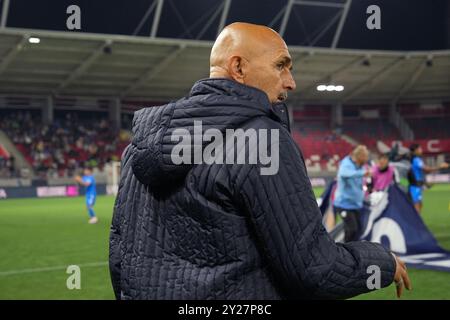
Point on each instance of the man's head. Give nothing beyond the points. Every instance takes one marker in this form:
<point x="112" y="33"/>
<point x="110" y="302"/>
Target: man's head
<point x="383" y="161"/>
<point x="253" y="55"/>
<point x="360" y="155"/>
<point x="87" y="171"/>
<point x="416" y="149"/>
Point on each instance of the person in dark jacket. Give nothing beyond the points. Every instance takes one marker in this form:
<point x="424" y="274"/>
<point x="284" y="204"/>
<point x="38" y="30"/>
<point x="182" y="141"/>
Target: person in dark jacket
<point x="223" y="229"/>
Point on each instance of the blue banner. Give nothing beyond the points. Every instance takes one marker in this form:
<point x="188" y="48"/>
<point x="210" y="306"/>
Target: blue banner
<point x="390" y="218"/>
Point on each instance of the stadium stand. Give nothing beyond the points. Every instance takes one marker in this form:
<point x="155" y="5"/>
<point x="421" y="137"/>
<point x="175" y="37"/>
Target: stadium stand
<point x="324" y="144"/>
<point x="321" y="146"/>
<point x="368" y="132"/>
<point x="428" y="121"/>
<point x="58" y="150"/>
<point x="427" y="128"/>
<point x="61" y="148"/>
<point x="6" y="166"/>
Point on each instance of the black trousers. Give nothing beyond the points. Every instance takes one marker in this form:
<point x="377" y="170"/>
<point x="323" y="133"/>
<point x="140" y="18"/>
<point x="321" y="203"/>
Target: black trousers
<point x="351" y="223"/>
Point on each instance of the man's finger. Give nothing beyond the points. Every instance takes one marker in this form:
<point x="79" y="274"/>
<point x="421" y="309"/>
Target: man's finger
<point x="406" y="280"/>
<point x="399" y="287"/>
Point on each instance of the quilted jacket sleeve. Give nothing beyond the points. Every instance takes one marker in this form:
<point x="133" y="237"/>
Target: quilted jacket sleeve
<point x="286" y="220"/>
<point x="115" y="231"/>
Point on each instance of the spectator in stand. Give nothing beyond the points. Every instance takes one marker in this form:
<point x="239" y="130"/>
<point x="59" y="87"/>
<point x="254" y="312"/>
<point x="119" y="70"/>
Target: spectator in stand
<point x="382" y="174"/>
<point x="7" y="167"/>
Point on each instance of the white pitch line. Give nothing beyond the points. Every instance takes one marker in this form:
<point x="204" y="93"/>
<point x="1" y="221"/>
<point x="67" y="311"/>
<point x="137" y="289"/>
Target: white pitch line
<point x="44" y="269"/>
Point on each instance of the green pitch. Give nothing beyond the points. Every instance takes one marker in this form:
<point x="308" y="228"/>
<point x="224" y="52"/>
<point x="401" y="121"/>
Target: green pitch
<point x="39" y="238"/>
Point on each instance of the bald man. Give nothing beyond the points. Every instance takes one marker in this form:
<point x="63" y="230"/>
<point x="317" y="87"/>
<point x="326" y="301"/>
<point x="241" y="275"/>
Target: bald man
<point x="214" y="200"/>
<point x="255" y="56"/>
<point x="349" y="196"/>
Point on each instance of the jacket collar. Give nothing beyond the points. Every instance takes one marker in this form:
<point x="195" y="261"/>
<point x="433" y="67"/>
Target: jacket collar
<point x="228" y="87"/>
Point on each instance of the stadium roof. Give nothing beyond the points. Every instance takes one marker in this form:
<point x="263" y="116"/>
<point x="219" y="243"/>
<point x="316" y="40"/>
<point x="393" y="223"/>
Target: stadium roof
<point x="71" y="64"/>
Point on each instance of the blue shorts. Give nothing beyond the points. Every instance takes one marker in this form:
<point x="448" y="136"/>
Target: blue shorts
<point x="90" y="200"/>
<point x="416" y="194"/>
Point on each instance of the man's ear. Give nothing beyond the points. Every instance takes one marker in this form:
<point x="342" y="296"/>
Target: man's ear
<point x="236" y="67"/>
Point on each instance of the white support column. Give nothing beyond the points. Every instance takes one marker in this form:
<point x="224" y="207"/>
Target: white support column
<point x="223" y="17"/>
<point x="336" y="116"/>
<point x="156" y="18"/>
<point x="337" y="35"/>
<point x="286" y="16"/>
<point x="145" y="17"/>
<point x="275" y="19"/>
<point x="325" y="29"/>
<point x="210" y="21"/>
<point x="5" y="12"/>
<point x="114" y="113"/>
<point x="47" y="111"/>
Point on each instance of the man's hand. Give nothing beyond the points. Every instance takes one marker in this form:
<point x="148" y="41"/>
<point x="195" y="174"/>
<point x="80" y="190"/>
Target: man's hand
<point x="401" y="277"/>
<point x="78" y="179"/>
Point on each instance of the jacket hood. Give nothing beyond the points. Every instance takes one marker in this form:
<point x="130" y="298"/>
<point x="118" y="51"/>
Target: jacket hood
<point x="218" y="103"/>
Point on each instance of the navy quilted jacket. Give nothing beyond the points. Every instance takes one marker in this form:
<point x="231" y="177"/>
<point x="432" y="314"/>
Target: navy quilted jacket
<point x="224" y="231"/>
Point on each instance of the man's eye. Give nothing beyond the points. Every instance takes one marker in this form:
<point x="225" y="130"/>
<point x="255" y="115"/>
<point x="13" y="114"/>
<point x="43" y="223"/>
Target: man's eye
<point x="280" y="66"/>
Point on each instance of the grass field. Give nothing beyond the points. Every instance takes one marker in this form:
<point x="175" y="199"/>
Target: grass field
<point x="39" y="238"/>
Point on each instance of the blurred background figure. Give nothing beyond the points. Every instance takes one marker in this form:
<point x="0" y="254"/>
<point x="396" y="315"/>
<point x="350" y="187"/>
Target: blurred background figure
<point x="349" y="197"/>
<point x="382" y="174"/>
<point x="416" y="175"/>
<point x="88" y="181"/>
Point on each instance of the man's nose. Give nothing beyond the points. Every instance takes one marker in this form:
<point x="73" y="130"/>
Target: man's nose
<point x="289" y="82"/>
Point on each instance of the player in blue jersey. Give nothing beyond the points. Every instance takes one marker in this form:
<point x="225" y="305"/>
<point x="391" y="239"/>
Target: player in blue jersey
<point x="88" y="181"/>
<point x="416" y="175"/>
